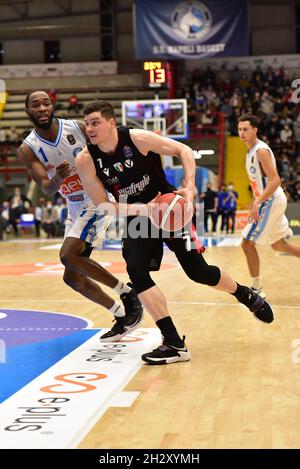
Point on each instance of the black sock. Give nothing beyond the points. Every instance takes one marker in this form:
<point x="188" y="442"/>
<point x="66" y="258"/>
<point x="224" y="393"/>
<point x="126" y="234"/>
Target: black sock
<point x="244" y="295"/>
<point x="169" y="331"/>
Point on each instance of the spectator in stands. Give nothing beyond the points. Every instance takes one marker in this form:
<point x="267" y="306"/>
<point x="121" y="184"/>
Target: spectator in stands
<point x="19" y="204"/>
<point x="268" y="94"/>
<point x="290" y="148"/>
<point x="17" y="195"/>
<point x="224" y="74"/>
<point x="210" y="199"/>
<point x="244" y="83"/>
<point x="54" y="99"/>
<point x="38" y="215"/>
<point x="230" y="207"/>
<point x="13" y="136"/>
<point x="285" y="133"/>
<point x="256" y="103"/>
<point x="267" y="103"/>
<point x="297" y="192"/>
<point x="47" y="220"/>
<point x="74" y="104"/>
<point x="222" y="212"/>
<point x="258" y="78"/>
<point x="16" y="209"/>
<point x="4" y="218"/>
<point x="56" y="217"/>
<point x="209" y="77"/>
<point x="270" y="78"/>
<point x="2" y="136"/>
<point x="207" y="120"/>
<point x="226" y="108"/>
<point x="64" y="212"/>
<point x="53" y="96"/>
<point x="296" y="126"/>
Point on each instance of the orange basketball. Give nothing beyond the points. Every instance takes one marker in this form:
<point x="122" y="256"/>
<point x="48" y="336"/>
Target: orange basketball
<point x="170" y="212"/>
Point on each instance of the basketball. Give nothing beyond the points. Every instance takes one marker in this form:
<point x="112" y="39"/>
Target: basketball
<point x="170" y="212"/>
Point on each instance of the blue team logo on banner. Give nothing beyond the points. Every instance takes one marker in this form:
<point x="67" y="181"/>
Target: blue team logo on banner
<point x="191" y="20"/>
<point x="190" y="29"/>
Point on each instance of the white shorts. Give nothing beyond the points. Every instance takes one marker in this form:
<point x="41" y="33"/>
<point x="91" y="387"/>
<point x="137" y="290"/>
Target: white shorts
<point x="272" y="224"/>
<point x="89" y="226"/>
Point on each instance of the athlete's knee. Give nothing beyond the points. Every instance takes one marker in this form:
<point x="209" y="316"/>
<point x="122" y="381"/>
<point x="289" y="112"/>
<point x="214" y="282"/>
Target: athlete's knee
<point x="247" y="245"/>
<point x="71" y="251"/>
<point x="140" y="278"/>
<point x="67" y="258"/>
<point x="207" y="275"/>
<point x="74" y="281"/>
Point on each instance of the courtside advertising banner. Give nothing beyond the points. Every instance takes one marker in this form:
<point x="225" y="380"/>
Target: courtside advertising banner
<point x="174" y="29"/>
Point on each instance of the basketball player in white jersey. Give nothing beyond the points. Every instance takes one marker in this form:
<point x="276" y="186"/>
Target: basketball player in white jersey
<point x="267" y="221"/>
<point x="49" y="153"/>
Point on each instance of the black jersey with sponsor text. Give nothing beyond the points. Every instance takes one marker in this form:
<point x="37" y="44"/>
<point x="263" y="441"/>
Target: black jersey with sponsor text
<point x="129" y="173"/>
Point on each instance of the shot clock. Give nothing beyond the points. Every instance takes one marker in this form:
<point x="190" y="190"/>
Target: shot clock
<point x="157" y="74"/>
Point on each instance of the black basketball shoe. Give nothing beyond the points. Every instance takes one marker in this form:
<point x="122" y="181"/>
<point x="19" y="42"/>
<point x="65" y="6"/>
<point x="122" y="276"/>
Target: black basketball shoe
<point x="133" y="309"/>
<point x="260" y="308"/>
<point x="117" y="331"/>
<point x="167" y="353"/>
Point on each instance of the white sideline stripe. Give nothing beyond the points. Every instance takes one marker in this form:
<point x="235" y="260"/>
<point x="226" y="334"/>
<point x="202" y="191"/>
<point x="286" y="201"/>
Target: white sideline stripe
<point x="123" y="399"/>
<point x="88" y="394"/>
<point x="53" y="246"/>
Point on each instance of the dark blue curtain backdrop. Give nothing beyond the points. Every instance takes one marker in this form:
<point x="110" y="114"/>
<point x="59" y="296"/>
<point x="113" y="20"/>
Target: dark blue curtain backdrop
<point x="174" y="29"/>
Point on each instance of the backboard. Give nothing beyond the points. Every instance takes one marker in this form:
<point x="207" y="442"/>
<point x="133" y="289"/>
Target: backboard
<point x="165" y="116"/>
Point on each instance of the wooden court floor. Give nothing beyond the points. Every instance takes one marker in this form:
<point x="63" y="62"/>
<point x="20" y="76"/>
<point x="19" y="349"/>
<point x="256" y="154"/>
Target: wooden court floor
<point x="242" y="387"/>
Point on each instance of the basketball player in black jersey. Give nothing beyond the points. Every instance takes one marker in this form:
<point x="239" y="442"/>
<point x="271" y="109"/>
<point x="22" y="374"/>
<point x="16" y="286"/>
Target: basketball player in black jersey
<point x="126" y="163"/>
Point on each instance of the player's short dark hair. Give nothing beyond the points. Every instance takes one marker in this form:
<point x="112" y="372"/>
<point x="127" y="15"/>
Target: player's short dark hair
<point x="250" y="118"/>
<point x="104" y="107"/>
<point x="27" y="99"/>
<point x="29" y="95"/>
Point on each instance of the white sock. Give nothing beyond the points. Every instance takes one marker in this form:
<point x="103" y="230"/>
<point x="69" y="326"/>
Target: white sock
<point x="117" y="310"/>
<point x="121" y="287"/>
<point x="256" y="282"/>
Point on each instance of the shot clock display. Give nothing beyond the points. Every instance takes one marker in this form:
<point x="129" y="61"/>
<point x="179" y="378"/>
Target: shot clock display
<point x="157" y="74"/>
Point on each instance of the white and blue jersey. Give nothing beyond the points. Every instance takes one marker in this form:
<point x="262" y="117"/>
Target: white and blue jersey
<point x="272" y="224"/>
<point x="83" y="221"/>
<point x="257" y="180"/>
